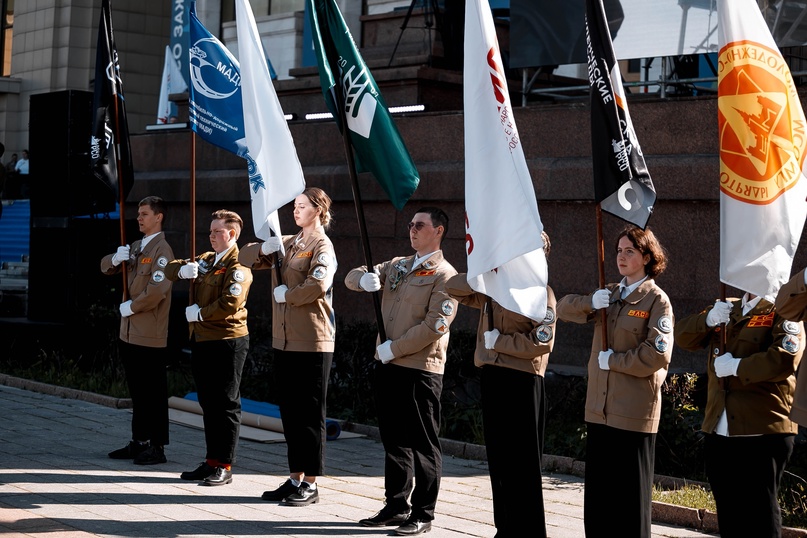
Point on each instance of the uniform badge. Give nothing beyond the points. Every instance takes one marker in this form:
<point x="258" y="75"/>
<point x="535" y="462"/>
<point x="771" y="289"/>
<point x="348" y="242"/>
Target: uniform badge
<point x="662" y="343"/>
<point x="319" y="272"/>
<point x="238" y="275"/>
<point x="145" y="261"/>
<point x="158" y="276"/>
<point x="400" y="271"/>
<point x="324" y="259"/>
<point x="447" y="307"/>
<point x="790" y="343"/>
<point x="791" y="327"/>
<point x="544" y="333"/>
<point x="235" y="289"/>
<point x="549" y="318"/>
<point x="441" y="326"/>
<point x="162" y="261"/>
<point x="665" y="324"/>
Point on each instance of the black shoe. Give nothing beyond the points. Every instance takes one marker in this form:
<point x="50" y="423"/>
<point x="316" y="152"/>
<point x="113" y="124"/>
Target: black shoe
<point x="128" y="452"/>
<point x="151" y="456"/>
<point x="413" y="526"/>
<point x="304" y="496"/>
<point x="220" y="477"/>
<point x="386" y="517"/>
<point x="200" y="473"/>
<point x="277" y="495"/>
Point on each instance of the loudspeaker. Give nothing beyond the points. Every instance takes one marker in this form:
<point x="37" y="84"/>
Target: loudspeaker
<point x="64" y="275"/>
<point x="60" y="181"/>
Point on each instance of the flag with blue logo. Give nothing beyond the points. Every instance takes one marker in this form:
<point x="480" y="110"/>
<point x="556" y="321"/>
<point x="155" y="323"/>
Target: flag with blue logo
<point x="216" y="113"/>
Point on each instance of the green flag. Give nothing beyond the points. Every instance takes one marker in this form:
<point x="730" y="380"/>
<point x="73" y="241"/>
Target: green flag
<point x="375" y="138"/>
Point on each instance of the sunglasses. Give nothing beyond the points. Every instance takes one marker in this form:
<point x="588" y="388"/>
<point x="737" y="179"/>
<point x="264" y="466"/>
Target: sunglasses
<point x="419" y="225"/>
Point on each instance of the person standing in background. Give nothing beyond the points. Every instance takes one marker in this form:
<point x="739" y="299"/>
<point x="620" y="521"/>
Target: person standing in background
<point x="303" y="336"/>
<point x="144" y="333"/>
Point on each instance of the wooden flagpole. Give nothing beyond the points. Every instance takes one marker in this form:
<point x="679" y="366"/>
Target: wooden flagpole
<point x="121" y="194"/>
<point x="192" y="197"/>
<point x="601" y="274"/>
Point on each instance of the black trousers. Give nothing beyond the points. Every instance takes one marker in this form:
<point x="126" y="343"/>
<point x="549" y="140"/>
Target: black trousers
<point x="217" y="366"/>
<point x="148" y="388"/>
<point x="408" y="405"/>
<point x="745" y="473"/>
<point x="618" y="482"/>
<point x="301" y="379"/>
<point x="511" y="397"/>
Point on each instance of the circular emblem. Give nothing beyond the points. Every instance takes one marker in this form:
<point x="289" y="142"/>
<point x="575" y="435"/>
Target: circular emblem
<point x="238" y="275"/>
<point x="662" y="343"/>
<point x="214" y="73"/>
<point x="447" y="307"/>
<point x="760" y="158"/>
<point x="162" y="261"/>
<point x="158" y="276"/>
<point x="319" y="272"/>
<point x="790" y="343"/>
<point x="549" y="318"/>
<point x="324" y="259"/>
<point x="665" y="324"/>
<point x="544" y="333"/>
<point x="235" y="289"/>
<point x="791" y="327"/>
<point x="441" y="326"/>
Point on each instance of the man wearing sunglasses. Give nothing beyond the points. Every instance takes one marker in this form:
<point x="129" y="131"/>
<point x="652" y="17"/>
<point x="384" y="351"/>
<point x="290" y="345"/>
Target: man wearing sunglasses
<point x="408" y="379"/>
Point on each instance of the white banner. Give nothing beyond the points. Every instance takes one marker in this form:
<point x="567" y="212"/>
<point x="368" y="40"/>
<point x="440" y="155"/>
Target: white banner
<point x="172" y="82"/>
<point x="503" y="229"/>
<point x="763" y="138"/>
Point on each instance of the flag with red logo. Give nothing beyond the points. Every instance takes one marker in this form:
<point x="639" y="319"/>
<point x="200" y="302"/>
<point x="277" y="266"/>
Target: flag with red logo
<point x="502" y="226"/>
<point x="763" y="140"/>
<point x="622" y="184"/>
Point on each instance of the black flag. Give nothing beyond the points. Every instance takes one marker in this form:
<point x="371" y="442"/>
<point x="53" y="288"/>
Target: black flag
<point x="110" y="128"/>
<point x="622" y="184"/>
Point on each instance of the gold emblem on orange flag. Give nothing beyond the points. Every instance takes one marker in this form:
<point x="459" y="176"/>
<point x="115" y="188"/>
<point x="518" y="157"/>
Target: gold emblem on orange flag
<point x="761" y="123"/>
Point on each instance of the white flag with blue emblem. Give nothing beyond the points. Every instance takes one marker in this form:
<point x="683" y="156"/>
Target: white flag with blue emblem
<point x="275" y="174"/>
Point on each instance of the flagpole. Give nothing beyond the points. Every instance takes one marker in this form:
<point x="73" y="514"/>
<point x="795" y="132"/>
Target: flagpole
<point x="601" y="274"/>
<point x="121" y="194"/>
<point x="357" y="202"/>
<point x="193" y="210"/>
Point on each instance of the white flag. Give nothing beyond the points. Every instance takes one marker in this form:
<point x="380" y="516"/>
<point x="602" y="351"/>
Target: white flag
<point x="503" y="229"/>
<point x="172" y="82"/>
<point x="276" y="177"/>
<point x="763" y="142"/>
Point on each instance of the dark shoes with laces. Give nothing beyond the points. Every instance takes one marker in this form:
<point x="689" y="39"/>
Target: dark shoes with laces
<point x="413" y="526"/>
<point x="277" y="495"/>
<point x="130" y="451"/>
<point x="220" y="477"/>
<point x="200" y="473"/>
<point x="290" y="495"/>
<point x="388" y="516"/>
<point x="151" y="456"/>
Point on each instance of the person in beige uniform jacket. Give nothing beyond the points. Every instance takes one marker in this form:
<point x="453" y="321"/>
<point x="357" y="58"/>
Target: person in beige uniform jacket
<point x="513" y="358"/>
<point x="408" y="380"/>
<point x="144" y="333"/>
<point x="303" y="336"/>
<point x="791" y="304"/>
<point x="623" y="399"/>
<point x="749" y="436"/>
<point x="219" y="342"/>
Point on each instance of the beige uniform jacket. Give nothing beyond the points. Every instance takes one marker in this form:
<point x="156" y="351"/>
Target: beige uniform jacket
<point x="221" y="292"/>
<point x="791" y="303"/>
<point x="417" y="310"/>
<point x="523" y="344"/>
<point x="640" y="327"/>
<point x="305" y="322"/>
<point x="758" y="399"/>
<point x="149" y="290"/>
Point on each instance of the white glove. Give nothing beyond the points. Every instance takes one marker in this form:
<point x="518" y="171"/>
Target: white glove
<point x="604" y="357"/>
<point x="370" y="282"/>
<point x="270" y="246"/>
<point x="490" y="338"/>
<point x="720" y="313"/>
<point x="385" y="352"/>
<point x="280" y="293"/>
<point x="126" y="309"/>
<point x="600" y="299"/>
<point x="193" y="313"/>
<point x="121" y="255"/>
<point x="189" y="270"/>
<point x="726" y="365"/>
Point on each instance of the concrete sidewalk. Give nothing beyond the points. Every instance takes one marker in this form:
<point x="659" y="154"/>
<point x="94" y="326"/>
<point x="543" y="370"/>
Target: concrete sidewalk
<point x="56" y="481"/>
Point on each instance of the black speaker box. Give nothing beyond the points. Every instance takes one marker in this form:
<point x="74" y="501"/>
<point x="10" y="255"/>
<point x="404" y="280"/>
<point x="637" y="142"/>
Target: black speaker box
<point x="60" y="181"/>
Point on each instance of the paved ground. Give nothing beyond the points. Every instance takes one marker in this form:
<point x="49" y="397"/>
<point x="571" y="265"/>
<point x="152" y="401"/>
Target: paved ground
<point x="56" y="481"/>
